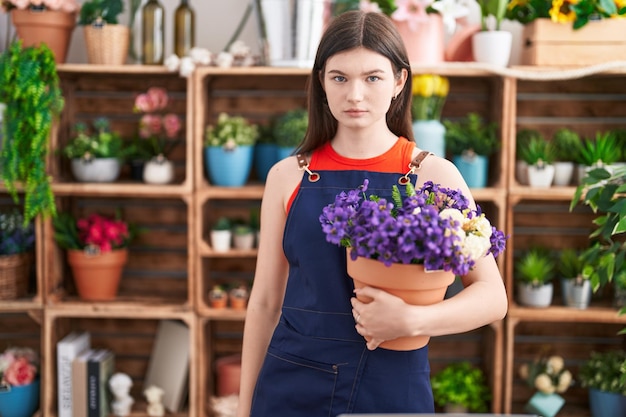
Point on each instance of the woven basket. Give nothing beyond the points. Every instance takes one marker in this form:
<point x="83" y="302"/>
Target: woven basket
<point x="14" y="275"/>
<point x="107" y="45"/>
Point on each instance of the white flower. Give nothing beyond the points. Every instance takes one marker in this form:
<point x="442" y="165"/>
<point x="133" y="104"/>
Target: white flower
<point x="565" y="380"/>
<point x="475" y="247"/>
<point x="544" y="384"/>
<point x="239" y="49"/>
<point x="200" y="56"/>
<point x="172" y="62"/>
<point x="186" y="66"/>
<point x="224" y="60"/>
<point x="450" y="11"/>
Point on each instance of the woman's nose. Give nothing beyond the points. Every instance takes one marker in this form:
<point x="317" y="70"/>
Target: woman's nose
<point x="355" y="92"/>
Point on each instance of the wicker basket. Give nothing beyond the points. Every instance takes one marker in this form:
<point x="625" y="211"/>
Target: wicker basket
<point x="14" y="275"/>
<point x="107" y="44"/>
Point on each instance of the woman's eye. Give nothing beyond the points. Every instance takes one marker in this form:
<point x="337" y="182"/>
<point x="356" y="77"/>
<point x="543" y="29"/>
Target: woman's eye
<point x="373" y="78"/>
<point x="339" y="78"/>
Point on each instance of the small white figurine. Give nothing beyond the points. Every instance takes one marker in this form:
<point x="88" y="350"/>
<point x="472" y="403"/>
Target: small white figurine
<point x="154" y="395"/>
<point x="120" y="385"/>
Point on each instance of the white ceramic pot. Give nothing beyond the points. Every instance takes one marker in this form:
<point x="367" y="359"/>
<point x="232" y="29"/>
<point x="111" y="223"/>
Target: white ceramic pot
<point x="533" y="296"/>
<point x="576" y="295"/>
<point x="158" y="170"/>
<point x="540" y="176"/>
<point x="243" y="241"/>
<point x="492" y="47"/>
<point x="96" y="170"/>
<point x="563" y="173"/>
<point x="220" y="240"/>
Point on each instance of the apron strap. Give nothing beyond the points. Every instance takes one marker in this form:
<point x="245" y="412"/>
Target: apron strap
<point x="414" y="165"/>
<point x="303" y="165"/>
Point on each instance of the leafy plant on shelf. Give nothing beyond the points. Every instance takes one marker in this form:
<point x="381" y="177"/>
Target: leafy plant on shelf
<point x="15" y="237"/>
<point x="535" y="267"/>
<point x="566" y="144"/>
<point x="290" y="127"/>
<point x="537" y="151"/>
<point x="603" y="149"/>
<point x="471" y="134"/>
<point x="578" y="13"/>
<point x="96" y="232"/>
<point x="604" y="192"/>
<point x="605" y="371"/>
<point x="461" y="384"/>
<point x="230" y="132"/>
<point x="100" y="11"/>
<point x="101" y="142"/>
<point x="29" y="86"/>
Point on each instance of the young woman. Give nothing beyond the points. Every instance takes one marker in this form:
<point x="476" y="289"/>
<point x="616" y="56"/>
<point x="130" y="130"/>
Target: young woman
<point x="303" y="353"/>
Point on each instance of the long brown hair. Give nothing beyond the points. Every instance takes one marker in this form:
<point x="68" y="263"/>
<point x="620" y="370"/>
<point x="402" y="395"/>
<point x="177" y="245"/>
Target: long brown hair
<point x="350" y="30"/>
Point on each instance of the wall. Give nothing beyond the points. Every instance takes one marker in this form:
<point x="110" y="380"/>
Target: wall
<point x="216" y="21"/>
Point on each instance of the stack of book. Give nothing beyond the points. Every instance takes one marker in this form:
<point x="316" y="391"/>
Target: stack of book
<point x="83" y="375"/>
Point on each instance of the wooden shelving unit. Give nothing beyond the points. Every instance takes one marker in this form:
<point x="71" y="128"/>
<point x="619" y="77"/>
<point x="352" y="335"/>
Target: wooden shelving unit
<point x="173" y="266"/>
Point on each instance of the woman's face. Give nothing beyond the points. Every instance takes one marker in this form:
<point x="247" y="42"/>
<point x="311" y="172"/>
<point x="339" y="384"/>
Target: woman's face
<point x="359" y="86"/>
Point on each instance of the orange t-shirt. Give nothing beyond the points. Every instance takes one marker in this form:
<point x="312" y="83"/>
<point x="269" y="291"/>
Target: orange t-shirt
<point x="396" y="159"/>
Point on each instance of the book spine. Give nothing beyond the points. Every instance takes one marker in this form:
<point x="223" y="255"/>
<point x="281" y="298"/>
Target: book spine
<point x="93" y="388"/>
<point x="64" y="382"/>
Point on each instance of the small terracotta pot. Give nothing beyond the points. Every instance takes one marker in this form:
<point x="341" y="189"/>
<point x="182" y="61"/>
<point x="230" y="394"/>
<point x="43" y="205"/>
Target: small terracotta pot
<point x="97" y="276"/>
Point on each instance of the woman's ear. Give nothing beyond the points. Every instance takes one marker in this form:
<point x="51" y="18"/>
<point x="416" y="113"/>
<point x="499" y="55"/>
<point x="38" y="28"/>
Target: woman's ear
<point x="401" y="81"/>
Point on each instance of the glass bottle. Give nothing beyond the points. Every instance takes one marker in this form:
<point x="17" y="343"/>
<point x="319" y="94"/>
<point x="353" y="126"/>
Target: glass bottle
<point x="184" y="29"/>
<point x="153" y="33"/>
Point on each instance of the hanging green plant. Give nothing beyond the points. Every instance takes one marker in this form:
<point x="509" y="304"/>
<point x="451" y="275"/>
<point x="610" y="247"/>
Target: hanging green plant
<point x="29" y="86"/>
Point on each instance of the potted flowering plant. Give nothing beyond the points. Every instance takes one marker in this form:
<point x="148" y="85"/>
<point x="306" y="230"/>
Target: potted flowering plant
<point x="16" y="244"/>
<point x="159" y="134"/>
<point x="95" y="154"/>
<point x="445" y="238"/>
<point x="105" y="38"/>
<point x="546" y="374"/>
<point x="579" y="13"/>
<point x="429" y="96"/>
<point x="19" y="382"/>
<point x="421" y="24"/>
<point x="50" y="21"/>
<point x="604" y="375"/>
<point x="97" y="250"/>
<point x="229" y="150"/>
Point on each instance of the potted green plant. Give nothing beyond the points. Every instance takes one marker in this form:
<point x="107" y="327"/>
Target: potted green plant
<point x="243" y="236"/>
<point x="105" y="38"/>
<point x="228" y="150"/>
<point x="491" y="44"/>
<point x="575" y="287"/>
<point x="461" y="387"/>
<point x="29" y="86"/>
<point x="96" y="153"/>
<point x="601" y="151"/>
<point x="289" y="131"/>
<point x="603" y="191"/>
<point x="534" y="272"/>
<point x="16" y="254"/>
<point x="471" y="141"/>
<point x="221" y="234"/>
<point x="566" y="144"/>
<point x="538" y="153"/>
<point x="604" y="375"/>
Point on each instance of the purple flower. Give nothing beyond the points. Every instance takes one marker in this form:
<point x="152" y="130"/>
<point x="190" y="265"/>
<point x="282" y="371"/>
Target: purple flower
<point x="433" y="226"/>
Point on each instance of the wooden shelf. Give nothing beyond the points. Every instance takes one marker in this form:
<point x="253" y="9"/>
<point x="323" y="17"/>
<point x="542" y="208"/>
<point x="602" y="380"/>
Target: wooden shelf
<point x="558" y="314"/>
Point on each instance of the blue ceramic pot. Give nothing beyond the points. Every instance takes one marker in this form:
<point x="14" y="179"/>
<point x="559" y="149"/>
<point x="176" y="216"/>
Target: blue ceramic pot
<point x="265" y="156"/>
<point x="473" y="168"/>
<point x="430" y="135"/>
<point x="228" y="168"/>
<point x="20" y="401"/>
<point x="604" y="404"/>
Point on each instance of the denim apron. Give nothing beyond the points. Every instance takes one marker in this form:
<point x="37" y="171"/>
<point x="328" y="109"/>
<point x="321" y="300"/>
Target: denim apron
<point x="317" y="365"/>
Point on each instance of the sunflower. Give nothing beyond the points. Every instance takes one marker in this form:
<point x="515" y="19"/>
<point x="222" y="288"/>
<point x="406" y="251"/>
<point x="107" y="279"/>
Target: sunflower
<point x="562" y="12"/>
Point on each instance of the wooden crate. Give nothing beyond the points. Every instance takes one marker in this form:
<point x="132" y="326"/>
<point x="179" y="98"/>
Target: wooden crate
<point x="556" y="44"/>
<point x="130" y="334"/>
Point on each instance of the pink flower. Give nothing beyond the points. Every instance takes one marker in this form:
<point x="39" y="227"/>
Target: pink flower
<point x="369" y="7"/>
<point x="158" y="98"/>
<point x="172" y="125"/>
<point x="103" y="232"/>
<point x="411" y="11"/>
<point x="20" y="372"/>
<point x="150" y="125"/>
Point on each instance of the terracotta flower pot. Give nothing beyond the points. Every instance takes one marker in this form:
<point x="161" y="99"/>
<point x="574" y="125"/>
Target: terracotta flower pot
<point x="97" y="276"/>
<point x="410" y="282"/>
<point x="51" y="27"/>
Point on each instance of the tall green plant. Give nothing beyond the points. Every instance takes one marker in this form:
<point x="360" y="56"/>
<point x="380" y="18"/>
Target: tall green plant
<point x="29" y="85"/>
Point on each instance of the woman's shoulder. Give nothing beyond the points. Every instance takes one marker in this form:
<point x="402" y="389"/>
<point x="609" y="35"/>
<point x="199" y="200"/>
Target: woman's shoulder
<point x="440" y="171"/>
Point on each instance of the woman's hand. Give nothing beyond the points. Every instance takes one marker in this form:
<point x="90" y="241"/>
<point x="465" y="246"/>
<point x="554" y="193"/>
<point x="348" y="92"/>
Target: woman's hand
<point x="381" y="319"/>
